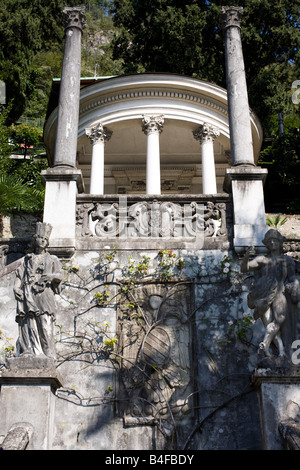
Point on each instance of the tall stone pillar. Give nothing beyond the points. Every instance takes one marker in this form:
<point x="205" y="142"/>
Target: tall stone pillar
<point x="152" y="127"/>
<point x="98" y="135"/>
<point x="243" y="179"/>
<point x="63" y="181"/>
<point x="206" y="134"/>
<point x="237" y="94"/>
<point x="68" y="107"/>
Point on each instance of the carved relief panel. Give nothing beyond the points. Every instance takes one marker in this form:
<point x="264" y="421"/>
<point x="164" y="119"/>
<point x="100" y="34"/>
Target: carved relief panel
<point x="156" y="350"/>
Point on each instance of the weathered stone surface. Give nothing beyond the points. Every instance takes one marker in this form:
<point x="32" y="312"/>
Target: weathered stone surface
<point x="279" y="399"/>
<point x="38" y="279"/>
<point x="17" y="437"/>
<point x="290" y="431"/>
<point x="238" y="106"/>
<point x="274" y="295"/>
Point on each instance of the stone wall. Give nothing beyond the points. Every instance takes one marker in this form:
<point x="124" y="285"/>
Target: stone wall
<point x="18" y="226"/>
<point x="156" y="347"/>
<point x="155" y="350"/>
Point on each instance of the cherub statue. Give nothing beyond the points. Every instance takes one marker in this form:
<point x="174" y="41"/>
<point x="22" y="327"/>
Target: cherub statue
<point x="37" y="281"/>
<point x="274" y="294"/>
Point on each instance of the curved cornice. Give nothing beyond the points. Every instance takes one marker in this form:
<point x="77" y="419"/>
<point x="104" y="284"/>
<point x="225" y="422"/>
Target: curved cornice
<point x="130" y="96"/>
<point x="153" y="86"/>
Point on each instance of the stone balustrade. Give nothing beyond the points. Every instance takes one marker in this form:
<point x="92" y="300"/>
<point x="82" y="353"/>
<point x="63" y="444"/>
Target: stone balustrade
<point x="134" y="219"/>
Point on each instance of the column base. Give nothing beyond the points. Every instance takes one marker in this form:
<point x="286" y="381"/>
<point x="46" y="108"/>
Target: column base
<point x="62" y="186"/>
<point x="279" y="402"/>
<point x="27" y="398"/>
<point x="246" y="184"/>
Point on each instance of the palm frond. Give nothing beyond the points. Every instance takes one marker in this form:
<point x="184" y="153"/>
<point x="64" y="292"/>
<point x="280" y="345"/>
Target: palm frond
<point x="15" y="195"/>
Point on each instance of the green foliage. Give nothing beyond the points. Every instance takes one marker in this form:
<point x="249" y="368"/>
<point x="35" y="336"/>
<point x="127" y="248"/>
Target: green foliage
<point x="276" y="221"/>
<point x="5" y="147"/>
<point x="110" y="343"/>
<point x="21" y="186"/>
<point x="6" y="348"/>
<point x="15" y="195"/>
<point x="226" y="265"/>
<point x="241" y="327"/>
<point x="24" y="137"/>
<point x="282" y="159"/>
<point x="110" y="256"/>
<point x="138" y="270"/>
<point x="187" y="37"/>
<point x="166" y="263"/>
<point x="97" y="48"/>
<point x="26" y="27"/>
<point x="163" y="36"/>
<point x="102" y="297"/>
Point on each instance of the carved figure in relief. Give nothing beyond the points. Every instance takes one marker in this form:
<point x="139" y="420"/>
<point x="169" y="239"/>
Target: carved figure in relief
<point x="37" y="281"/>
<point x="158" y="219"/>
<point x="160" y="381"/>
<point x="274" y="293"/>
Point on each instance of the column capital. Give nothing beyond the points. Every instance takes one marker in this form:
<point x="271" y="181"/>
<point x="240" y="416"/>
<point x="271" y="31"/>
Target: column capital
<point x="206" y="133"/>
<point x="75" y="17"/>
<point x="152" y="124"/>
<point x="232" y="16"/>
<point x="98" y="133"/>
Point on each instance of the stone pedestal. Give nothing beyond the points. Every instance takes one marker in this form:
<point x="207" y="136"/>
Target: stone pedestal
<point x="62" y="186"/>
<point x="246" y="185"/>
<point x="27" y="398"/>
<point x="279" y="401"/>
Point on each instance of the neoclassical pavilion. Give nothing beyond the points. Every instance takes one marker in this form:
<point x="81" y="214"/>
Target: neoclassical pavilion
<point x="160" y="141"/>
<point x="151" y="134"/>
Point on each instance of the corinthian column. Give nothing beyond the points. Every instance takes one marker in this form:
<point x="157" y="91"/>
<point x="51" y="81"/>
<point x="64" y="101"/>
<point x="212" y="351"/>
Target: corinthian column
<point x="243" y="179"/>
<point x="98" y="135"/>
<point x="206" y="134"/>
<point x="152" y="127"/>
<point x="64" y="180"/>
<point x="68" y="107"/>
<point x="238" y="105"/>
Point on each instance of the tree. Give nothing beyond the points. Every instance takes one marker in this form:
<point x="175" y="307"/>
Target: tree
<point x="97" y="48"/>
<point x="5" y="148"/>
<point x="26" y="27"/>
<point x="25" y="137"/>
<point x="21" y="186"/>
<point x="187" y="37"/>
<point x="282" y="158"/>
<point x="15" y="195"/>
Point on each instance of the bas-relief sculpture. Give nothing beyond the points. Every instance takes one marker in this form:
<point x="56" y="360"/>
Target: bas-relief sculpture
<point x="37" y="281"/>
<point x="274" y="295"/>
<point x="156" y="219"/>
<point x="157" y="367"/>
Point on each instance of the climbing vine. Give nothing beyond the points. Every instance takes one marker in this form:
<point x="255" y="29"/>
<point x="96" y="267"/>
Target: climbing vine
<point x="7" y="349"/>
<point x="110" y="284"/>
<point x="97" y="293"/>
